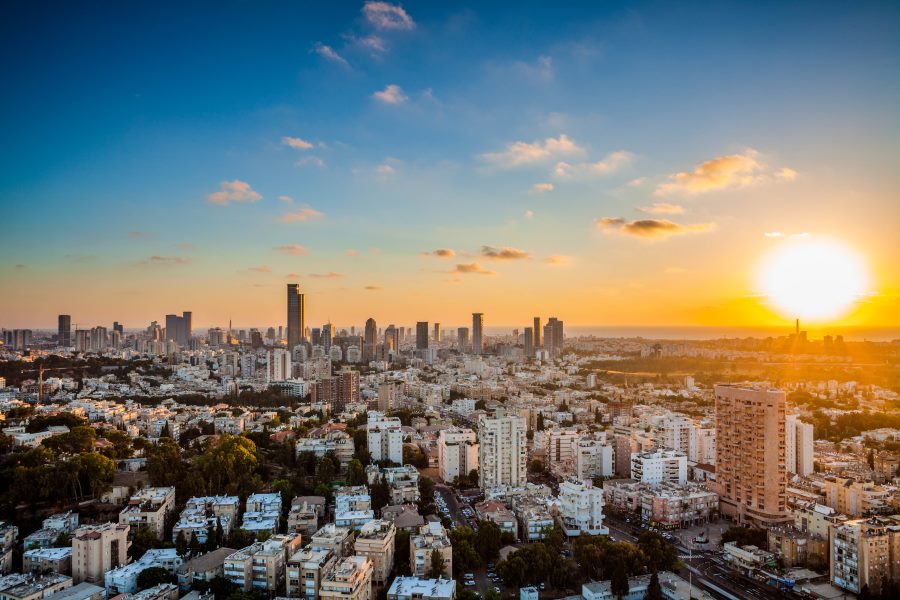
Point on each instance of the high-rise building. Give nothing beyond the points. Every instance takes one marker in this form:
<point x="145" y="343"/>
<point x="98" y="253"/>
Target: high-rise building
<point x="865" y="553"/>
<point x="296" y="315"/>
<point x="279" y="367"/>
<point x="65" y="330"/>
<point x="370" y="341"/>
<point x="422" y="335"/>
<point x="501" y="450"/>
<point x="751" y="478"/>
<point x="327" y="335"/>
<point x="385" y="437"/>
<point x="437" y="334"/>
<point x="529" y="342"/>
<point x="391" y="339"/>
<point x="462" y="338"/>
<point x="798" y="441"/>
<point x="97" y="549"/>
<point x="118" y="327"/>
<point x="477" y="332"/>
<point x="457" y="453"/>
<point x="553" y="336"/>
<point x="537" y="332"/>
<point x="98" y="339"/>
<point x="179" y="329"/>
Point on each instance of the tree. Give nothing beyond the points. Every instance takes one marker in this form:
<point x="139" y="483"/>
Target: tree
<point x="660" y="555"/>
<point x="356" y="474"/>
<point x="380" y="493"/>
<point x="491" y="594"/>
<point x="220" y="533"/>
<point x="63" y="540"/>
<point x="401" y="557"/>
<point x="437" y="565"/>
<point x="488" y="540"/>
<point x="870" y="459"/>
<point x="540" y="422"/>
<point x="144" y="539"/>
<point x="746" y="536"/>
<point x="536" y="466"/>
<point x="194" y="544"/>
<point x="164" y="464"/>
<point x="153" y="576"/>
<point x="618" y="584"/>
<point x="654" y="591"/>
<point x="181" y="543"/>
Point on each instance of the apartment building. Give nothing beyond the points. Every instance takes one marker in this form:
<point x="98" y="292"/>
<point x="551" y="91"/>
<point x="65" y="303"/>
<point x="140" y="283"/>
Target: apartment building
<point x="302" y="519"/>
<point x="416" y="588"/>
<point x="375" y="540"/>
<point x="348" y="579"/>
<point x="751" y="474"/>
<point x="352" y="506"/>
<point x="593" y="458"/>
<point x="431" y="536"/>
<point x="8" y="535"/>
<point x="42" y="560"/>
<point x="37" y="588"/>
<point x="305" y="570"/>
<point x="123" y="579"/>
<point x="205" y="567"/>
<point x="204" y="514"/>
<point x="457" y="453"/>
<point x="660" y="466"/>
<point x="852" y="497"/>
<point x="865" y="552"/>
<point x="262" y="564"/>
<point x="581" y="508"/>
<point x="149" y="508"/>
<point x="561" y="446"/>
<point x="332" y="537"/>
<point x="385" y="437"/>
<point x="502" y="457"/>
<point x="491" y="510"/>
<point x="798" y="446"/>
<point x="534" y="516"/>
<point x="97" y="549"/>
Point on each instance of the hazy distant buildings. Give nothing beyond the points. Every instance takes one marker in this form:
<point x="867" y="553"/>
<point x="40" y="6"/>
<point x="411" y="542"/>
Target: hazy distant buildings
<point x="553" y="336"/>
<point x="422" y="335"/>
<point x="529" y="342"/>
<point x="751" y="477"/>
<point x="179" y="329"/>
<point x="477" y="333"/>
<point x="370" y="341"/>
<point x="65" y="330"/>
<point x="296" y="315"/>
<point x="462" y="338"/>
<point x="437" y="334"/>
<point x="537" y="332"/>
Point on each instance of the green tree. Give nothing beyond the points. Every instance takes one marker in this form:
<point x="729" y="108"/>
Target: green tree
<point x="144" y="539"/>
<point x="618" y="584"/>
<point x="152" y="576"/>
<point x="654" y="591"/>
<point x="436" y="566"/>
<point x="164" y="464"/>
<point x="536" y="466"/>
<point x="220" y="533"/>
<point x="660" y="555"/>
<point x="491" y="594"/>
<point x="356" y="474"/>
<point x="488" y="540"/>
<point x="194" y="544"/>
<point x="181" y="543"/>
<point x="229" y="466"/>
<point x="380" y="493"/>
<point x="540" y="422"/>
<point x="401" y="556"/>
<point x="63" y="540"/>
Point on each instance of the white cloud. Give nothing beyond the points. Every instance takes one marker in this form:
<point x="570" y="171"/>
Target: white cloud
<point x="724" y="172"/>
<point x="329" y="53"/>
<point x="542" y="187"/>
<point x="312" y="161"/>
<point x="234" y="191"/>
<point x="663" y="208"/>
<point x="392" y="94"/>
<point x="286" y="199"/>
<point x="296" y="143"/>
<point x="384" y="15"/>
<point x="293" y="249"/>
<point x="609" y="164"/>
<point x="298" y="216"/>
<point x="520" y="153"/>
<point x="529" y="214"/>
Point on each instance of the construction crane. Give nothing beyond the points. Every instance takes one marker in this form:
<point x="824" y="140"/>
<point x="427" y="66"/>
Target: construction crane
<point x="40" y="371"/>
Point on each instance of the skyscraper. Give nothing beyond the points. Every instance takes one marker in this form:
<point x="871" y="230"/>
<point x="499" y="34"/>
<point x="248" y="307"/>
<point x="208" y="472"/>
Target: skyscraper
<point x="529" y="342"/>
<point x="422" y="335"/>
<point x="751" y="475"/>
<point x="462" y="339"/>
<point x="477" y="331"/>
<point x="391" y="339"/>
<point x="65" y="330"/>
<point x="327" y="335"/>
<point x="553" y="336"/>
<point x="187" y="328"/>
<point x="501" y="451"/>
<point x="370" y="341"/>
<point x="296" y="315"/>
<point x="437" y="334"/>
<point x="537" y="332"/>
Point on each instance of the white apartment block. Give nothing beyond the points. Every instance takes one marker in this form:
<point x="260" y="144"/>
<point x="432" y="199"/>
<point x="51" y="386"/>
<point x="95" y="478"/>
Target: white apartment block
<point x="431" y="536"/>
<point x="331" y="537"/>
<point x="262" y="564"/>
<point x="279" y="365"/>
<point x="502" y="458"/>
<point x="702" y="445"/>
<point x="348" y="579"/>
<point x="385" y="438"/>
<point x="352" y="506"/>
<point x="660" y="466"/>
<point x="457" y="453"/>
<point x="581" y="508"/>
<point x="798" y="441"/>
<point x="593" y="458"/>
<point x="305" y="570"/>
<point x="416" y="588"/>
<point x="561" y="446"/>
<point x="149" y="507"/>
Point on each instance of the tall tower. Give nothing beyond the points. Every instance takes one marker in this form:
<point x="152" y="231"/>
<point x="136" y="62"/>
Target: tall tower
<point x="296" y="315"/>
<point x="751" y="470"/>
<point x="422" y="335"/>
<point x="65" y="330"/>
<point x="370" y="341"/>
<point x="537" y="332"/>
<point x="187" y="328"/>
<point x="529" y="342"/>
<point x="437" y="334"/>
<point x="462" y="339"/>
<point x="477" y="332"/>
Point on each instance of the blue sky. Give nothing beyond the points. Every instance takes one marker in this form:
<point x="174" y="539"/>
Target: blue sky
<point x="122" y="120"/>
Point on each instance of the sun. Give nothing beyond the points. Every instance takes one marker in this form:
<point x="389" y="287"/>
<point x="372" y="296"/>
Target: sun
<point x="813" y="279"/>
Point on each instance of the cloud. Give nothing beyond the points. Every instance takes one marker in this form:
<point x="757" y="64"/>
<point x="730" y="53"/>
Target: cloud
<point x="392" y="94"/>
<point x="314" y="161"/>
<point x="384" y="15"/>
<point x="773" y="234"/>
<point x="144" y="235"/>
<point x="260" y="269"/>
<point x="471" y="268"/>
<point x="328" y="275"/>
<point x="373" y="43"/>
<point x="529" y="214"/>
<point x="503" y="253"/>
<point x="540" y="188"/>
<point x="540" y="71"/>
<point x="298" y="216"/>
<point x="558" y="260"/>
<point x="166" y="260"/>
<point x="723" y="172"/>
<point x="234" y="191"/>
<point x="518" y="154"/>
<point x="293" y="249"/>
<point x="609" y="164"/>
<point x="297" y="143"/>
<point x="373" y="288"/>
<point x="650" y="228"/>
<point x="385" y="170"/>
<point x="328" y="53"/>
<point x="351" y="252"/>
<point x="638" y="182"/>
<point x="663" y="208"/>
<point x="292" y="276"/>
<point x="441" y="253"/>
<point x="286" y="199"/>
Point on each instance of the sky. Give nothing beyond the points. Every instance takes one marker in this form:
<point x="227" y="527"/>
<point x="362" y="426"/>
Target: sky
<point x="606" y="163"/>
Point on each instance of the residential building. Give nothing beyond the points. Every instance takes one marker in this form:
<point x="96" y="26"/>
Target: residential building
<point x="37" y="588"/>
<point x="661" y="466"/>
<point x="149" y="508"/>
<point x="865" y="552"/>
<point x="751" y="475"/>
<point x="375" y="540"/>
<point x="123" y="579"/>
<point x="430" y="537"/>
<point x="502" y="458"/>
<point x="97" y="549"/>
<point x="41" y="560"/>
<point x="348" y="579"/>
<point x="798" y="444"/>
<point x="593" y="458"/>
<point x="205" y="567"/>
<point x="262" y="564"/>
<point x="561" y="445"/>
<point x="416" y="588"/>
<point x="8" y="535"/>
<point x="352" y="506"/>
<point x="581" y="508"/>
<point x="457" y="453"/>
<point x="332" y="537"/>
<point x="305" y="570"/>
<point x="385" y="438"/>
<point x="491" y="510"/>
<point x="477" y="333"/>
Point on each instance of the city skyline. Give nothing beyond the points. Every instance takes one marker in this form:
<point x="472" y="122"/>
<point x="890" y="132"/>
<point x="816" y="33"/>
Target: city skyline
<point x="611" y="171"/>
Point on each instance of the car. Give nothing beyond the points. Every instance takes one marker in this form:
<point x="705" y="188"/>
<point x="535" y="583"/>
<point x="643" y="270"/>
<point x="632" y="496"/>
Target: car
<point x="542" y="586"/>
<point x="469" y="582"/>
